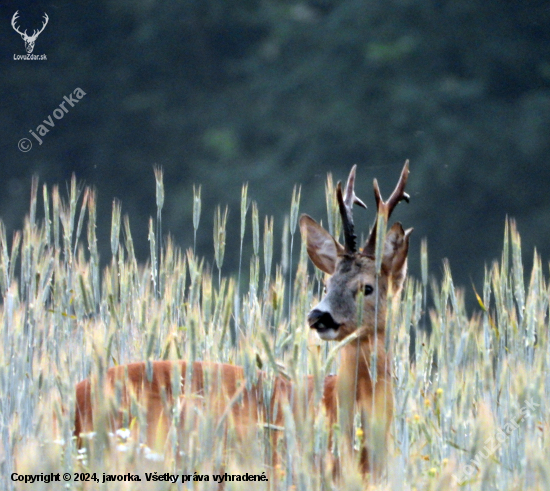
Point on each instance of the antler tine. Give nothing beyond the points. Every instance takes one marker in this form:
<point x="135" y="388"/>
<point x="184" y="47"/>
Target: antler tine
<point x="377" y="195"/>
<point x="386" y="207"/>
<point x="350" y="198"/>
<point x="399" y="193"/>
<point x="350" y="239"/>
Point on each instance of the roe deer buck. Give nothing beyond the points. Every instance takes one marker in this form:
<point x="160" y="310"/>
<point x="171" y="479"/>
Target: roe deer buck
<point x="221" y="386"/>
<point x="363" y="381"/>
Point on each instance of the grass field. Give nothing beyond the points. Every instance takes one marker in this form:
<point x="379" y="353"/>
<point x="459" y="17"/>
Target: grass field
<point x="471" y="411"/>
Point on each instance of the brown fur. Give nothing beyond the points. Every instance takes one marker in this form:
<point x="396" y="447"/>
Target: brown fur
<point x="218" y="387"/>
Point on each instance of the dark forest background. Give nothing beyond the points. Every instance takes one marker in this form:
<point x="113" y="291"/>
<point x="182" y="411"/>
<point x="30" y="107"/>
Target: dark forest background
<point x="276" y="93"/>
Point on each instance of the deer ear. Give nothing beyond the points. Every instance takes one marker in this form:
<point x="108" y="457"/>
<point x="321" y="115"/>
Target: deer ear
<point x="322" y="248"/>
<point x="396" y="249"/>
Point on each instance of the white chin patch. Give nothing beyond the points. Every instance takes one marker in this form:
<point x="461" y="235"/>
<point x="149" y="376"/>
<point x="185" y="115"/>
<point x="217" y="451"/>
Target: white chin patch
<point x="327" y="334"/>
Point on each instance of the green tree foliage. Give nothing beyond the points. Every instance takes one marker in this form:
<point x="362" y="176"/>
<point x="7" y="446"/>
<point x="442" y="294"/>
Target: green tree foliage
<point x="280" y="92"/>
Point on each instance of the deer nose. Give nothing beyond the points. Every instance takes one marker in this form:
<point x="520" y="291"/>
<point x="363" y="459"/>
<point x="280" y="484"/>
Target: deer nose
<point x="321" y="321"/>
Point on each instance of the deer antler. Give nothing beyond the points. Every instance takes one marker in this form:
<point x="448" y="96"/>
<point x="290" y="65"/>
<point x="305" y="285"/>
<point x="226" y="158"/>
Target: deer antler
<point x="13" y="19"/>
<point x="386" y="207"/>
<point x="36" y="33"/>
<point x="345" y="203"/>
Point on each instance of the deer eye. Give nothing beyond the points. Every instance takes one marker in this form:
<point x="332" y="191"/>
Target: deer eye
<point x="368" y="289"/>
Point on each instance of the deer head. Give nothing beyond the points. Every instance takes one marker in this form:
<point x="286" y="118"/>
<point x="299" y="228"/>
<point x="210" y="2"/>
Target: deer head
<point x="29" y="40"/>
<point x="352" y="270"/>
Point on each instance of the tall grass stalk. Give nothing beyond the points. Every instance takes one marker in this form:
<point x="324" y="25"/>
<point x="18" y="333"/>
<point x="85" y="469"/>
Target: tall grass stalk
<point x="159" y="195"/>
<point x="244" y="210"/>
<point x="220" y="223"/>
<point x="197" y="204"/>
<point x="292" y="224"/>
<point x="63" y="318"/>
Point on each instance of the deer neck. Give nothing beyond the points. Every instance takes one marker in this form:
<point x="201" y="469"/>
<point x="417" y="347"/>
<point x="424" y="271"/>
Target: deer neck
<point x="368" y="377"/>
<point x="364" y="365"/>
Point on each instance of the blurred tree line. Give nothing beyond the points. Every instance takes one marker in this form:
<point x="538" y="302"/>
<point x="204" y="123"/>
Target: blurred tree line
<point x="278" y="92"/>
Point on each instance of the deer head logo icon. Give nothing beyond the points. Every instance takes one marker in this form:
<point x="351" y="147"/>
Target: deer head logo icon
<point x="29" y="40"/>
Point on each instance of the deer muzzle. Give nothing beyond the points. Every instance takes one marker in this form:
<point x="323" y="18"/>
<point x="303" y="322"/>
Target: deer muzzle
<point x="323" y="323"/>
